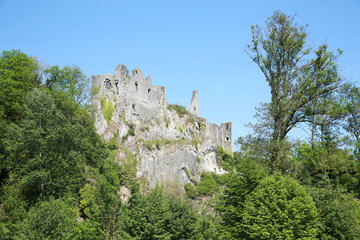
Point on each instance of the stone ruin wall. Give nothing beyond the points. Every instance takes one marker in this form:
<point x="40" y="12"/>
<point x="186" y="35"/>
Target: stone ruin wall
<point x="135" y="91"/>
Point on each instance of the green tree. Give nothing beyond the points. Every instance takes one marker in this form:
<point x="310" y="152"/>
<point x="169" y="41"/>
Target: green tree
<point x="89" y="230"/>
<point x="240" y="183"/>
<point x="280" y="52"/>
<point x="17" y="77"/>
<point x="279" y="208"/>
<point x="323" y="167"/>
<point x="339" y="214"/>
<point x="324" y="119"/>
<point x="155" y="216"/>
<point x="69" y="80"/>
<point x="351" y="94"/>
<point x="12" y="211"/>
<point x="52" y="219"/>
<point x="45" y="149"/>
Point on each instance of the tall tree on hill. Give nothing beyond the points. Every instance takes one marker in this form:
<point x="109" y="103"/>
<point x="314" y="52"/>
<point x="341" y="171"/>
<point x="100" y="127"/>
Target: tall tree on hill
<point x="69" y="80"/>
<point x="295" y="79"/>
<point x="45" y="152"/>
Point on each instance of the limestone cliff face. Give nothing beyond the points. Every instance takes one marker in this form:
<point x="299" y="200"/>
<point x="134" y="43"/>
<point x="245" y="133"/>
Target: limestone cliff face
<point x="170" y="145"/>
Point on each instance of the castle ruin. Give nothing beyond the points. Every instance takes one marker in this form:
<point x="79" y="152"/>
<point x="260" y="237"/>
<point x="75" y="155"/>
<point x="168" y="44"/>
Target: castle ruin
<point x="122" y="102"/>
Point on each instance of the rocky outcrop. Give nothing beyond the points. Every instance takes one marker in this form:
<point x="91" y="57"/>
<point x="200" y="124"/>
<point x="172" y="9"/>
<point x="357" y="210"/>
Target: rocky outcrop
<point x="170" y="143"/>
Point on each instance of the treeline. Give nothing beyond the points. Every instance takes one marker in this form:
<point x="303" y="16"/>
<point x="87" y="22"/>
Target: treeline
<point x="60" y="180"/>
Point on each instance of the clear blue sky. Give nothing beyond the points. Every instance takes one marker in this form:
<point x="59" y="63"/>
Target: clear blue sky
<point x="183" y="45"/>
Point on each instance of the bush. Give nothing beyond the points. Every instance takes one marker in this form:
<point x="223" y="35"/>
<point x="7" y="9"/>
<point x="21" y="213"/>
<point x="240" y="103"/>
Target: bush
<point x="131" y="132"/>
<point x="190" y="190"/>
<point x="208" y="186"/>
<point x="181" y="110"/>
<point x="52" y="219"/>
<point x="280" y="208"/>
<point x="225" y="159"/>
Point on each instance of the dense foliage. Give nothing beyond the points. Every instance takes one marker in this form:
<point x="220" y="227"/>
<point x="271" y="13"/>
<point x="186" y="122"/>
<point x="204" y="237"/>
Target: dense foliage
<point x="279" y="208"/>
<point x="60" y="180"/>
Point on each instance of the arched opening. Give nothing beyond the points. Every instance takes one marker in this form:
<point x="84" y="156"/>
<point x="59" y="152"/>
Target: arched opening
<point x="136" y="87"/>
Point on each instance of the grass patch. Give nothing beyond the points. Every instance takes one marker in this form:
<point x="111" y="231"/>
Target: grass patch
<point x="157" y="143"/>
<point x="149" y="145"/>
<point x="195" y="143"/>
<point x="188" y="173"/>
<point x="143" y="129"/>
<point x="131" y="131"/>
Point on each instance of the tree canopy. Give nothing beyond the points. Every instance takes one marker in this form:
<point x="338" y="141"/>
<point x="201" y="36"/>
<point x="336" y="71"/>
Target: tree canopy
<point x="297" y="76"/>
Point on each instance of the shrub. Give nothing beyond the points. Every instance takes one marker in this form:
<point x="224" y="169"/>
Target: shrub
<point x="180" y="110"/>
<point x="208" y="185"/>
<point x="190" y="190"/>
<point x="225" y="159"/>
<point x="52" y="219"/>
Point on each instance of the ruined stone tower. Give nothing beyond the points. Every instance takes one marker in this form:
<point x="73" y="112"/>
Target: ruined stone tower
<point x="194" y="105"/>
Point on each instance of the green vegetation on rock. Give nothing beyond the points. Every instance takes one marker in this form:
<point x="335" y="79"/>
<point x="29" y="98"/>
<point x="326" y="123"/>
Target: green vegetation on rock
<point x="107" y="108"/>
<point x="180" y="110"/>
<point x="95" y="90"/>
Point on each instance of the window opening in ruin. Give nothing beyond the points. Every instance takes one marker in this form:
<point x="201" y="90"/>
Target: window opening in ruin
<point x="108" y="83"/>
<point x="227" y="138"/>
<point x="117" y="85"/>
<point x="148" y="90"/>
<point x="227" y="126"/>
<point x="136" y="86"/>
<point x="194" y="108"/>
